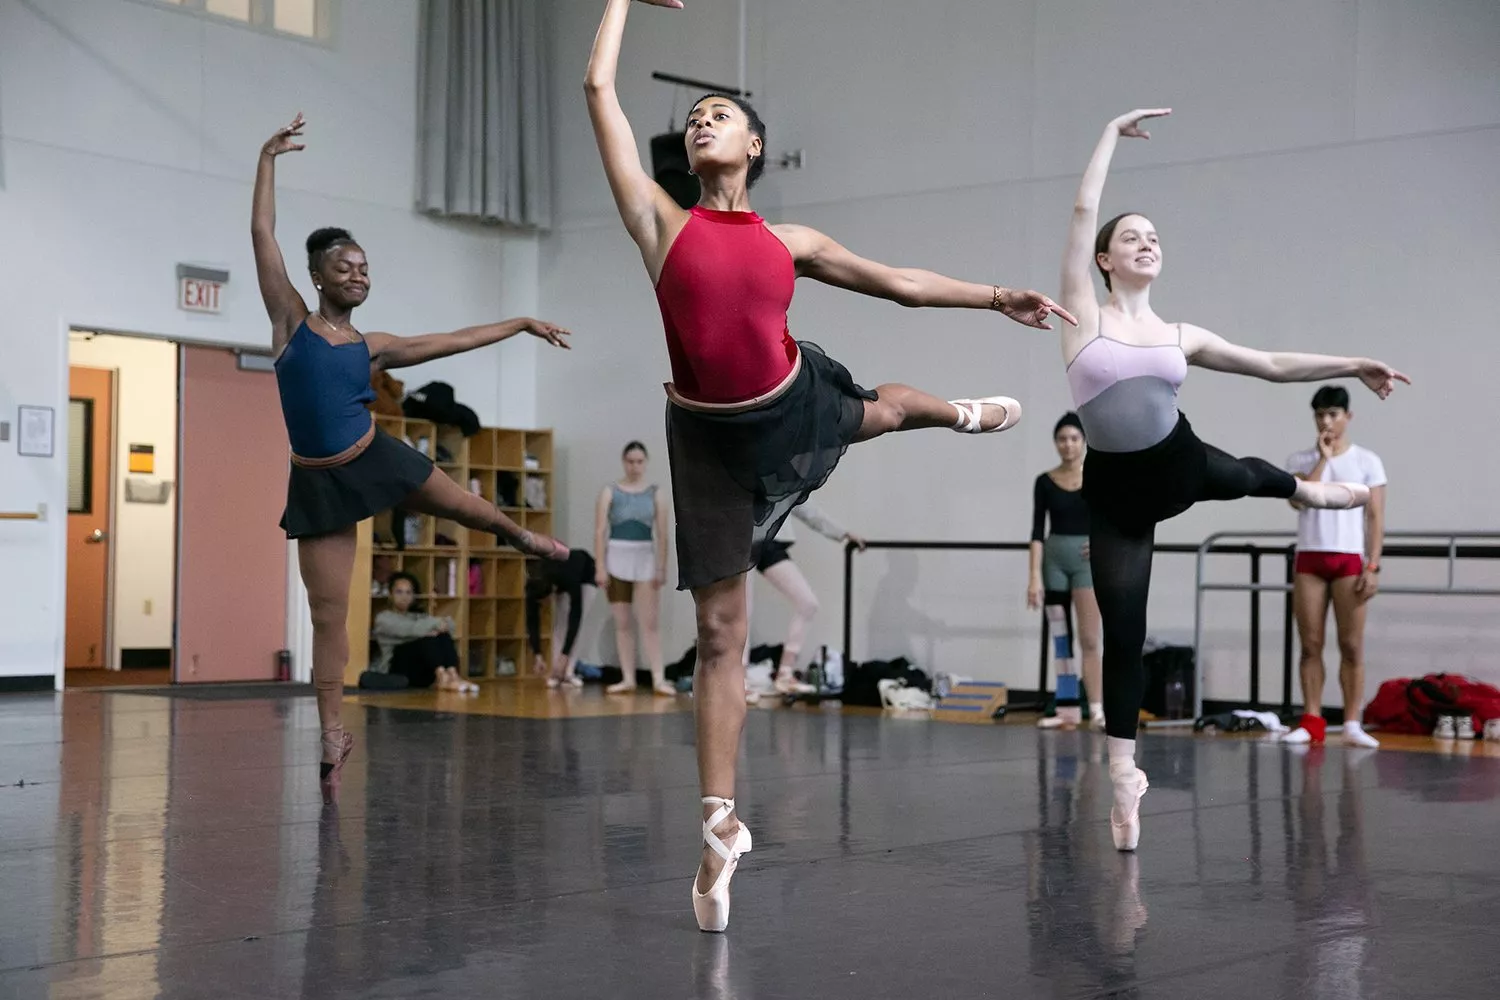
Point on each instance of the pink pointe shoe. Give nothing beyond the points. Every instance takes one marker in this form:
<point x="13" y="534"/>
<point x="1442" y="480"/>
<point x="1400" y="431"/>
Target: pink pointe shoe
<point x="1125" y="815"/>
<point x="342" y="745"/>
<point x="712" y="907"/>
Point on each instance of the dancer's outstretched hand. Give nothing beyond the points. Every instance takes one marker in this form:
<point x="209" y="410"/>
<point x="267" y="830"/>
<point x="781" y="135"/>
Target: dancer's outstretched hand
<point x="1129" y="125"/>
<point x="550" y="332"/>
<point x="1379" y="377"/>
<point x="674" y="4"/>
<point x="1031" y="308"/>
<point x="284" y="141"/>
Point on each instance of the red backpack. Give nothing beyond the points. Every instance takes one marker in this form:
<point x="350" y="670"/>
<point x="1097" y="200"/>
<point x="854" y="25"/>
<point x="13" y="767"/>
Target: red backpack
<point x="1413" y="706"/>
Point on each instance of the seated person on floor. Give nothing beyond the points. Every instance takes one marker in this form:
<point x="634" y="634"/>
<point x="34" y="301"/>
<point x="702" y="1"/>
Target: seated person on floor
<point x="417" y="646"/>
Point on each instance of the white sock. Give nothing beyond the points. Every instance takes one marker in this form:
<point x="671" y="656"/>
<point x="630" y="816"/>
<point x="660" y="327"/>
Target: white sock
<point x="1096" y="710"/>
<point x="1355" y="733"/>
<point x="1121" y="756"/>
<point x="1298" y="735"/>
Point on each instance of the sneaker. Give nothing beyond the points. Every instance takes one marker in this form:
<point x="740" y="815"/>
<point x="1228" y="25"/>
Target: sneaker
<point x="1464" y="728"/>
<point x="1446" y="730"/>
<point x="1492" y="730"/>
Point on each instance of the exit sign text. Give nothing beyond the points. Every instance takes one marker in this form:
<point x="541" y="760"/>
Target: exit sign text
<point x="199" y="295"/>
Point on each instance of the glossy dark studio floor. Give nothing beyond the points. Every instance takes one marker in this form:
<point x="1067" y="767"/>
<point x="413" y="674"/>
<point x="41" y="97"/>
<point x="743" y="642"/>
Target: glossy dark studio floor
<point x="176" y="847"/>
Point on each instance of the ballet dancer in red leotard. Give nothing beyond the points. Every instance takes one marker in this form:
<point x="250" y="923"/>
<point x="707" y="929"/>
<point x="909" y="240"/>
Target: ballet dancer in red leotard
<point x="755" y="420"/>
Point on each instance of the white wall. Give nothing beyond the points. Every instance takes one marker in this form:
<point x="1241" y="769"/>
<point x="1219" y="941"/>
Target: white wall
<point x="143" y="540"/>
<point x="1327" y="183"/>
<point x="128" y="141"/>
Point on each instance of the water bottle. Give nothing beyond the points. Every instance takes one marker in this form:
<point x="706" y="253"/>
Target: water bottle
<point x="1176" y="696"/>
<point x="833" y="670"/>
<point x="283" y="664"/>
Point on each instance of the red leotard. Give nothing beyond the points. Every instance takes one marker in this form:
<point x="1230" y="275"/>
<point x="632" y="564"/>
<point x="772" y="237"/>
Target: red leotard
<point x="724" y="291"/>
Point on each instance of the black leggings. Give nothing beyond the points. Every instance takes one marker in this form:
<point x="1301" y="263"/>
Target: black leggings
<point x="419" y="659"/>
<point x="1120" y="557"/>
<point x="538" y="591"/>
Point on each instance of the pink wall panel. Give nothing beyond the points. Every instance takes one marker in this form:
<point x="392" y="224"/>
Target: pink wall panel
<point x="232" y="487"/>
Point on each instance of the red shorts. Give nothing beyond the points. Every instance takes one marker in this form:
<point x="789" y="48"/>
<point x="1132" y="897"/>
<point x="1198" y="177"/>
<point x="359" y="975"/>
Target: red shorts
<point x="1330" y="565"/>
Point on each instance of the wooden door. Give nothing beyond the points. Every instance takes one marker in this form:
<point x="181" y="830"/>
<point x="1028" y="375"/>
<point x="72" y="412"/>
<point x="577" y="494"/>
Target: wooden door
<point x="89" y="423"/>
<point x="231" y="584"/>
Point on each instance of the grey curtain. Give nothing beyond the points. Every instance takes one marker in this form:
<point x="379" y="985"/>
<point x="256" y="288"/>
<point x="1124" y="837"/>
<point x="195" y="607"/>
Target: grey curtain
<point x="484" y="133"/>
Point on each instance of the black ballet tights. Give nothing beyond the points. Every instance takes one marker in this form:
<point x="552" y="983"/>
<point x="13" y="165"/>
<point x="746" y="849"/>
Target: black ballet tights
<point x="1121" y="562"/>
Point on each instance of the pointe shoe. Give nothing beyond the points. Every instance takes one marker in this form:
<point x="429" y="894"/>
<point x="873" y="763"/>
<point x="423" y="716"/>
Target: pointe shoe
<point x="712" y="907"/>
<point x="970" y="410"/>
<point x="664" y="689"/>
<point x="621" y="687"/>
<point x="553" y="683"/>
<point x="1125" y="823"/>
<point x="342" y="745"/>
<point x="574" y="681"/>
<point x="1335" y="496"/>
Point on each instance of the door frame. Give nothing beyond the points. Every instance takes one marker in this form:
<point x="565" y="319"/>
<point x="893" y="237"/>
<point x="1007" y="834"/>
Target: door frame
<point x="298" y="619"/>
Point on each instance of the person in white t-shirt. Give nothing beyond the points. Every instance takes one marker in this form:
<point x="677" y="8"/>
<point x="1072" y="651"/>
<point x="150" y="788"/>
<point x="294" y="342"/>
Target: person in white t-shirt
<point x="1338" y="562"/>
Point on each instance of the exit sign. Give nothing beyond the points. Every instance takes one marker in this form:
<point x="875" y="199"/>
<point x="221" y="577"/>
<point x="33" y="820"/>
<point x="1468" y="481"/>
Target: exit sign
<point x="200" y="289"/>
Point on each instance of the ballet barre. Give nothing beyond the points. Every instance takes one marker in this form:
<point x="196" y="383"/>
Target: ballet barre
<point x="20" y="515"/>
<point x="1452" y="546"/>
<point x="1028" y="701"/>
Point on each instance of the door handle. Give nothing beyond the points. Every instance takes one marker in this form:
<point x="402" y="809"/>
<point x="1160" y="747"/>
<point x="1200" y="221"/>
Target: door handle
<point x="98" y="536"/>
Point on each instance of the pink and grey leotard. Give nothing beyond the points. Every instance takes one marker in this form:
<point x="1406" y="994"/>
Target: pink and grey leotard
<point x="1126" y="394"/>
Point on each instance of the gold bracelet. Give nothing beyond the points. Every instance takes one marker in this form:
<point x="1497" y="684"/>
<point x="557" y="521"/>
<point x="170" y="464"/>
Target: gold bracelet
<point x="996" y="303"/>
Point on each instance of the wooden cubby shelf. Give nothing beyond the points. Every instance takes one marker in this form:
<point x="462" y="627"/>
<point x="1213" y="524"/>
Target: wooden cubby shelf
<point x="466" y="575"/>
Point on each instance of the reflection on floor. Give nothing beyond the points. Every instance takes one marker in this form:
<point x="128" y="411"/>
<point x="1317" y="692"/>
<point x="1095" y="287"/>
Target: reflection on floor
<point x="171" y="847"/>
<point x="83" y="677"/>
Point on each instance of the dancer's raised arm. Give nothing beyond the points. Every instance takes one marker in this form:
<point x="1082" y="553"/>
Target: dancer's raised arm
<point x="820" y="258"/>
<point x="388" y="350"/>
<point x="1206" y="349"/>
<point x="1078" y="258"/>
<point x="645" y="208"/>
<point x="283" y="303"/>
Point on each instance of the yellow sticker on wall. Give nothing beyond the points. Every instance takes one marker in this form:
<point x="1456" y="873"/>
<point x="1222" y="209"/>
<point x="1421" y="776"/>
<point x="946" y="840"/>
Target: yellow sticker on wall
<point x="143" y="458"/>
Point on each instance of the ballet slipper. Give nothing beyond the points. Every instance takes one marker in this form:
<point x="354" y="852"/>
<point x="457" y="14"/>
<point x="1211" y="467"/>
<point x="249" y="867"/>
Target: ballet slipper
<point x="970" y="411"/>
<point x="787" y="683"/>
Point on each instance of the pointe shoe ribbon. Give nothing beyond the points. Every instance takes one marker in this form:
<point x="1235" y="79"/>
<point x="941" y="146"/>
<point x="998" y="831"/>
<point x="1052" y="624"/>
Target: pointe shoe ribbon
<point x="712" y="907"/>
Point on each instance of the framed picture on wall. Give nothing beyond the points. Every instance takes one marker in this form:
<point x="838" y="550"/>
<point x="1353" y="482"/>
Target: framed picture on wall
<point x="34" y="438"/>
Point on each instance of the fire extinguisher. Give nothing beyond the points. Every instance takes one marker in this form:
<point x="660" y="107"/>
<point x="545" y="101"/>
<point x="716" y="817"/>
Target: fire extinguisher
<point x="283" y="665"/>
